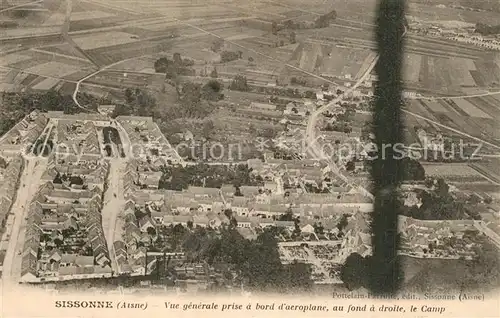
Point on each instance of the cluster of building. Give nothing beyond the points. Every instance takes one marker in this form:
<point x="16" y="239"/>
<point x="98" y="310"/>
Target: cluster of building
<point x="293" y="112"/>
<point x="24" y="133"/>
<point x="132" y="241"/>
<point x="65" y="238"/>
<point x="428" y="141"/>
<point x="141" y="175"/>
<point x="327" y="256"/>
<point x="460" y="32"/>
<point x="77" y="137"/>
<point x="286" y="145"/>
<point x="10" y="172"/>
<point x="147" y="142"/>
<point x="451" y="239"/>
<point x="492" y="43"/>
<point x="149" y="211"/>
<point x="9" y="183"/>
<point x="64" y="235"/>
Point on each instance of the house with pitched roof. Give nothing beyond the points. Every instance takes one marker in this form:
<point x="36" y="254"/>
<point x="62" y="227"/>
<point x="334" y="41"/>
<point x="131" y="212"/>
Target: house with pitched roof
<point x="146" y="222"/>
<point x="177" y="219"/>
<point x="202" y="192"/>
<point x="243" y="221"/>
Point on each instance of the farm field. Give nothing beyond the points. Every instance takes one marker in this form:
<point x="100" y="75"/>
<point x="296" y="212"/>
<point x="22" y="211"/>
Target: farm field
<point x="491" y="167"/>
<point x="452" y="172"/>
<point x="488" y="104"/>
<point x="13" y="58"/>
<point x="30" y="32"/>
<point x="140" y="64"/>
<point x="62" y="49"/>
<point x="470" y="109"/>
<point x="55" y="69"/>
<point x="330" y="60"/>
<point x="91" y="14"/>
<point x="123" y="79"/>
<point x="487" y="187"/>
<point x="449" y="75"/>
<point x="474" y="116"/>
<point x="46" y="84"/>
<point x="95" y="41"/>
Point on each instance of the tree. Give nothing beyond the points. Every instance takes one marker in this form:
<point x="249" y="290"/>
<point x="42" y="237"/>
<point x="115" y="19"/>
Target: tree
<point x="293" y="37"/>
<point x="190" y="98"/>
<point x="233" y="222"/>
<point x="412" y="169"/>
<point x="354" y="272"/>
<point x="442" y="188"/>
<point x="237" y="192"/>
<point x="228" y="56"/>
<point x="190" y="224"/>
<point x="240" y="54"/>
<point x="211" y="91"/>
<point x="288" y="216"/>
<point x="228" y="213"/>
<point x="324" y="20"/>
<point x="299" y="275"/>
<point x="274" y="28"/>
<point x="485" y="29"/>
<point x="208" y="128"/>
<point x="343" y="222"/>
<point x="177" y="58"/>
<point x="214" y="73"/>
<point x="217" y="45"/>
<point x="160" y="65"/>
<point x="318" y="228"/>
<point x="269" y="133"/>
<point x="474" y="199"/>
<point x="3" y="163"/>
<point x="129" y="95"/>
<point x="350" y="166"/>
<point x="296" y="231"/>
<point x="239" y="83"/>
<point x="57" y="179"/>
<point x="58" y="242"/>
<point x="151" y="231"/>
<point x="429" y="182"/>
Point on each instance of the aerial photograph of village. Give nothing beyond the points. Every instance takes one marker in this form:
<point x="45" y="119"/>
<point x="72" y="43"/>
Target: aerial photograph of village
<point x="225" y="146"/>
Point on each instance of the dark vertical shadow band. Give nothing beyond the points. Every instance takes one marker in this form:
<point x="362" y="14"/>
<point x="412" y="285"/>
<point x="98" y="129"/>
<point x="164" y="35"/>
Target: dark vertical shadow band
<point x="385" y="273"/>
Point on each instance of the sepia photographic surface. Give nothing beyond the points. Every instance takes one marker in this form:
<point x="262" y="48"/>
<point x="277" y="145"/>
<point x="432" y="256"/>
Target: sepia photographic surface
<point x="263" y="158"/>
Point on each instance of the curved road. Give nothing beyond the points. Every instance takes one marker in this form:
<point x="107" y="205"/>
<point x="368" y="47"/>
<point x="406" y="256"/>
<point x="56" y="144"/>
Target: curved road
<point x="310" y="139"/>
<point x="79" y="82"/>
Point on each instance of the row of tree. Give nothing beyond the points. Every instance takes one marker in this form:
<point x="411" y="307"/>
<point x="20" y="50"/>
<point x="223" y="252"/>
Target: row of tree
<point x="258" y="263"/>
<point x="179" y="178"/>
<point x="321" y="21"/>
<point x="175" y="67"/>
